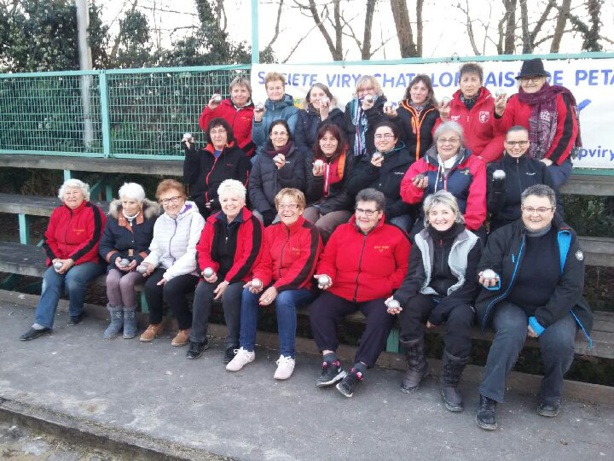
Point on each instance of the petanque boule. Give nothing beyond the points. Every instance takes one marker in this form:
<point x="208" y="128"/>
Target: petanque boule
<point x="498" y="175"/>
<point x="489" y="274"/>
<point x="208" y="272"/>
<point x="393" y="304"/>
<point x="217" y="98"/>
<point x="57" y="265"/>
<point x="324" y="280"/>
<point x="256" y="283"/>
<point x="142" y="268"/>
<point x="124" y="262"/>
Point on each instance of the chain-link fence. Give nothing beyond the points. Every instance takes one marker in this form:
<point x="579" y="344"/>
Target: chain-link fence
<point x="113" y="113"/>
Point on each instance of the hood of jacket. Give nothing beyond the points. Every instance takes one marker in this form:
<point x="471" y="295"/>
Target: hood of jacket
<point x="286" y="101"/>
<point x="151" y="209"/>
<point x="431" y="156"/>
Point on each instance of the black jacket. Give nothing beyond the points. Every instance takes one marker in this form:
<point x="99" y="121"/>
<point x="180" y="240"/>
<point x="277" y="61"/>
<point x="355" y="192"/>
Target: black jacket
<point x="416" y="128"/>
<point x="308" y="124"/>
<point x="441" y="276"/>
<point x="266" y="180"/>
<point x="503" y="197"/>
<point x="386" y="179"/>
<point x="375" y="116"/>
<point x="120" y="239"/>
<point x="338" y="197"/>
<point x="504" y="253"/>
<point x="203" y="173"/>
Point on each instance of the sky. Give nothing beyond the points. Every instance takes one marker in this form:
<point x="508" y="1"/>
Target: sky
<point x="444" y="31"/>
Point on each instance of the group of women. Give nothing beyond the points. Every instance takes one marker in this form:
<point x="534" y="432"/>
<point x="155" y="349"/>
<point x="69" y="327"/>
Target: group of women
<point x="331" y="197"/>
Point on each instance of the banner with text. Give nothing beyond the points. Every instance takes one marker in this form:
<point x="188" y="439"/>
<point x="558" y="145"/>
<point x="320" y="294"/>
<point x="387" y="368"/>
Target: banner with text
<point x="590" y="80"/>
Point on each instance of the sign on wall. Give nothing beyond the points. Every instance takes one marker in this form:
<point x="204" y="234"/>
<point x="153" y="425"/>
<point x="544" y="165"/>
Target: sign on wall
<point x="590" y="80"/>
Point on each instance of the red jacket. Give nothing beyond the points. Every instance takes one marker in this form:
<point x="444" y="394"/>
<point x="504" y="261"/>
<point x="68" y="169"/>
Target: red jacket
<point x="365" y="267"/>
<point x="291" y="255"/>
<point x="466" y="181"/>
<point x="518" y="113"/>
<point x="246" y="253"/>
<point x="75" y="234"/>
<point x="478" y="125"/>
<point x="240" y="119"/>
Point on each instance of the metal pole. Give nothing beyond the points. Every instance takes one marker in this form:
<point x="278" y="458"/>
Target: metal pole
<point x="85" y="63"/>
<point x="255" y="41"/>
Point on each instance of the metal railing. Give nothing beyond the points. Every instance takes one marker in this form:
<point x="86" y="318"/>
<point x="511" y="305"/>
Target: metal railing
<point x="135" y="113"/>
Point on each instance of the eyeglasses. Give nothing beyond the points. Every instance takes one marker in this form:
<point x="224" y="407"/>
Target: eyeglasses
<point x="279" y="134"/>
<point x="367" y="213"/>
<point x="384" y="136"/>
<point x="448" y="140"/>
<point x="170" y="200"/>
<point x="540" y="210"/>
<point x="534" y="79"/>
<point x="288" y="206"/>
<point x="517" y="143"/>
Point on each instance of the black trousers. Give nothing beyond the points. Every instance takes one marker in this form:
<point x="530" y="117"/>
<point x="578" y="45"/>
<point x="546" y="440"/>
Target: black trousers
<point x="174" y="293"/>
<point x="457" y="339"/>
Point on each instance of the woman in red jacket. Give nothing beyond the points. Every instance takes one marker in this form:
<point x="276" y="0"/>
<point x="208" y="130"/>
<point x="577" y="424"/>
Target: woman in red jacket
<point x="237" y="110"/>
<point x="228" y="249"/>
<point x="549" y="112"/>
<point x="472" y="107"/>
<point x="292" y="248"/>
<point x="71" y="243"/>
<point x="363" y="262"/>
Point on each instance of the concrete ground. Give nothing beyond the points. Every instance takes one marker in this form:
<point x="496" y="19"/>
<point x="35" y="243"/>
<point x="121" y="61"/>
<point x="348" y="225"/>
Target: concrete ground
<point x="149" y="397"/>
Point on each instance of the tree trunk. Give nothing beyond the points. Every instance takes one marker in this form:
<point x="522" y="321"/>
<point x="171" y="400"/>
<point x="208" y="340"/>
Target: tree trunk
<point x="510" y="26"/>
<point x="559" y="29"/>
<point x="403" y="26"/>
<point x="366" y="42"/>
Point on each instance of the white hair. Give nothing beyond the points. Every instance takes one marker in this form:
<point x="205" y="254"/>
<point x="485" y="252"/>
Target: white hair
<point x="232" y="186"/>
<point x="132" y="190"/>
<point x="74" y="184"/>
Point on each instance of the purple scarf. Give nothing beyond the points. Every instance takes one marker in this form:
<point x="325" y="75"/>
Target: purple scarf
<point x="272" y="152"/>
<point x="544" y="117"/>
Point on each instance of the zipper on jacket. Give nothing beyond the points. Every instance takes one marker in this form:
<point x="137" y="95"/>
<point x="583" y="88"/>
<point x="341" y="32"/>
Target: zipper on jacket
<point x="362" y="252"/>
<point x="283" y="247"/>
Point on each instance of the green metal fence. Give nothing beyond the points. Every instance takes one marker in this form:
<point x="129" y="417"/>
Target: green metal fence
<point x="136" y="113"/>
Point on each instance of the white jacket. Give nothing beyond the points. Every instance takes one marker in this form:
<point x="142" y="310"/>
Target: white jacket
<point x="173" y="246"/>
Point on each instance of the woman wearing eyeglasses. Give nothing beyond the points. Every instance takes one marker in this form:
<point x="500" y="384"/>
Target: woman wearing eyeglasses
<point x="363" y="113"/>
<point x="171" y="263"/>
<point x="278" y="164"/>
<point x="364" y="261"/>
<point x="549" y="112"/>
<point x="283" y="278"/>
<point x="532" y="273"/>
<point x="383" y="170"/>
<point x="448" y="165"/>
<point x="509" y="177"/>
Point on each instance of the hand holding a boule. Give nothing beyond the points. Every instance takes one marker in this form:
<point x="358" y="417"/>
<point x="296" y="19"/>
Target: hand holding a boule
<point x="324" y="281"/>
<point x="421" y="181"/>
<point x="488" y="278"/>
<point x="392" y="306"/>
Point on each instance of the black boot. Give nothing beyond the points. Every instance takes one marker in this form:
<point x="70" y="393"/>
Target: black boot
<point x="416" y="364"/>
<point x="486" y="416"/>
<point x="451" y="371"/>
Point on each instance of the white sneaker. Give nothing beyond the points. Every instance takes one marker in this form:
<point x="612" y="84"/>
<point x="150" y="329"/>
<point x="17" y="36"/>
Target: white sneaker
<point x="285" y="367"/>
<point x="242" y="358"/>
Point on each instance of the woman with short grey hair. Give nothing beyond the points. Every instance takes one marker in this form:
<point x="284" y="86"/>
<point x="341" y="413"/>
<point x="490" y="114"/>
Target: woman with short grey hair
<point x="439" y="288"/>
<point x="449" y="166"/>
<point x="71" y="243"/>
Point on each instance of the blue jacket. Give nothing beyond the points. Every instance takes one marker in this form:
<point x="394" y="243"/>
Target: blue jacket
<point x="284" y="109"/>
<point x="120" y="239"/>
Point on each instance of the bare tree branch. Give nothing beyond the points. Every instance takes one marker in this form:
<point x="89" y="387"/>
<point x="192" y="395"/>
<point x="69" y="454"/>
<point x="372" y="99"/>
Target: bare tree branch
<point x="559" y="29"/>
<point x="277" y="21"/>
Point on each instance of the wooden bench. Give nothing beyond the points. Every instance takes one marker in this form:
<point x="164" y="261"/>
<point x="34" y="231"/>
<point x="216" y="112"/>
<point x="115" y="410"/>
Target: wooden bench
<point x="30" y="260"/>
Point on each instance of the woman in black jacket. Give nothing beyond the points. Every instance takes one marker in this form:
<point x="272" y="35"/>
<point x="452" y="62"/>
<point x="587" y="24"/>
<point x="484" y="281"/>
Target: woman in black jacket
<point x="362" y="114"/>
<point x="220" y="159"/>
<point x="319" y="109"/>
<point x="416" y="116"/>
<point x="278" y="164"/>
<point x="124" y="245"/>
<point x="384" y="170"/>
<point x="532" y="272"/>
<point x="329" y="202"/>
<point x="509" y="177"/>
<point x="440" y="287"/>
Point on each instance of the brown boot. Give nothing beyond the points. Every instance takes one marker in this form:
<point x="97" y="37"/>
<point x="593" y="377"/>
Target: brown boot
<point x="182" y="338"/>
<point x="153" y="331"/>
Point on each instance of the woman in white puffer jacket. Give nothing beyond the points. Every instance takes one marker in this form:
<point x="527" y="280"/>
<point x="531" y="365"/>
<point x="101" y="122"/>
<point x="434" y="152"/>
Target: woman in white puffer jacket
<point x="171" y="264"/>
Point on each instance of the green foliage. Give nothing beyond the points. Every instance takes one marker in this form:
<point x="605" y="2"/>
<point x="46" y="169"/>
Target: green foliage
<point x="41" y="35"/>
<point x="590" y="215"/>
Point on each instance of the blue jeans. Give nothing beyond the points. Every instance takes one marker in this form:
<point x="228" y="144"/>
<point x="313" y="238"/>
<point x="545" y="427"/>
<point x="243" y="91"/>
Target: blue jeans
<point x="285" y="307"/>
<point x="73" y="283"/>
<point x="556" y="344"/>
<point x="560" y="173"/>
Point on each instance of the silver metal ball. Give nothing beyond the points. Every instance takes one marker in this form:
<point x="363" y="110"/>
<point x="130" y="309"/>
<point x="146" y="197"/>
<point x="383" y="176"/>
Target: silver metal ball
<point x="324" y="280"/>
<point x="57" y="265"/>
<point x="393" y="304"/>
<point x="124" y="262"/>
<point x="498" y="174"/>
<point x="489" y="274"/>
<point x="208" y="272"/>
<point x="217" y="97"/>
